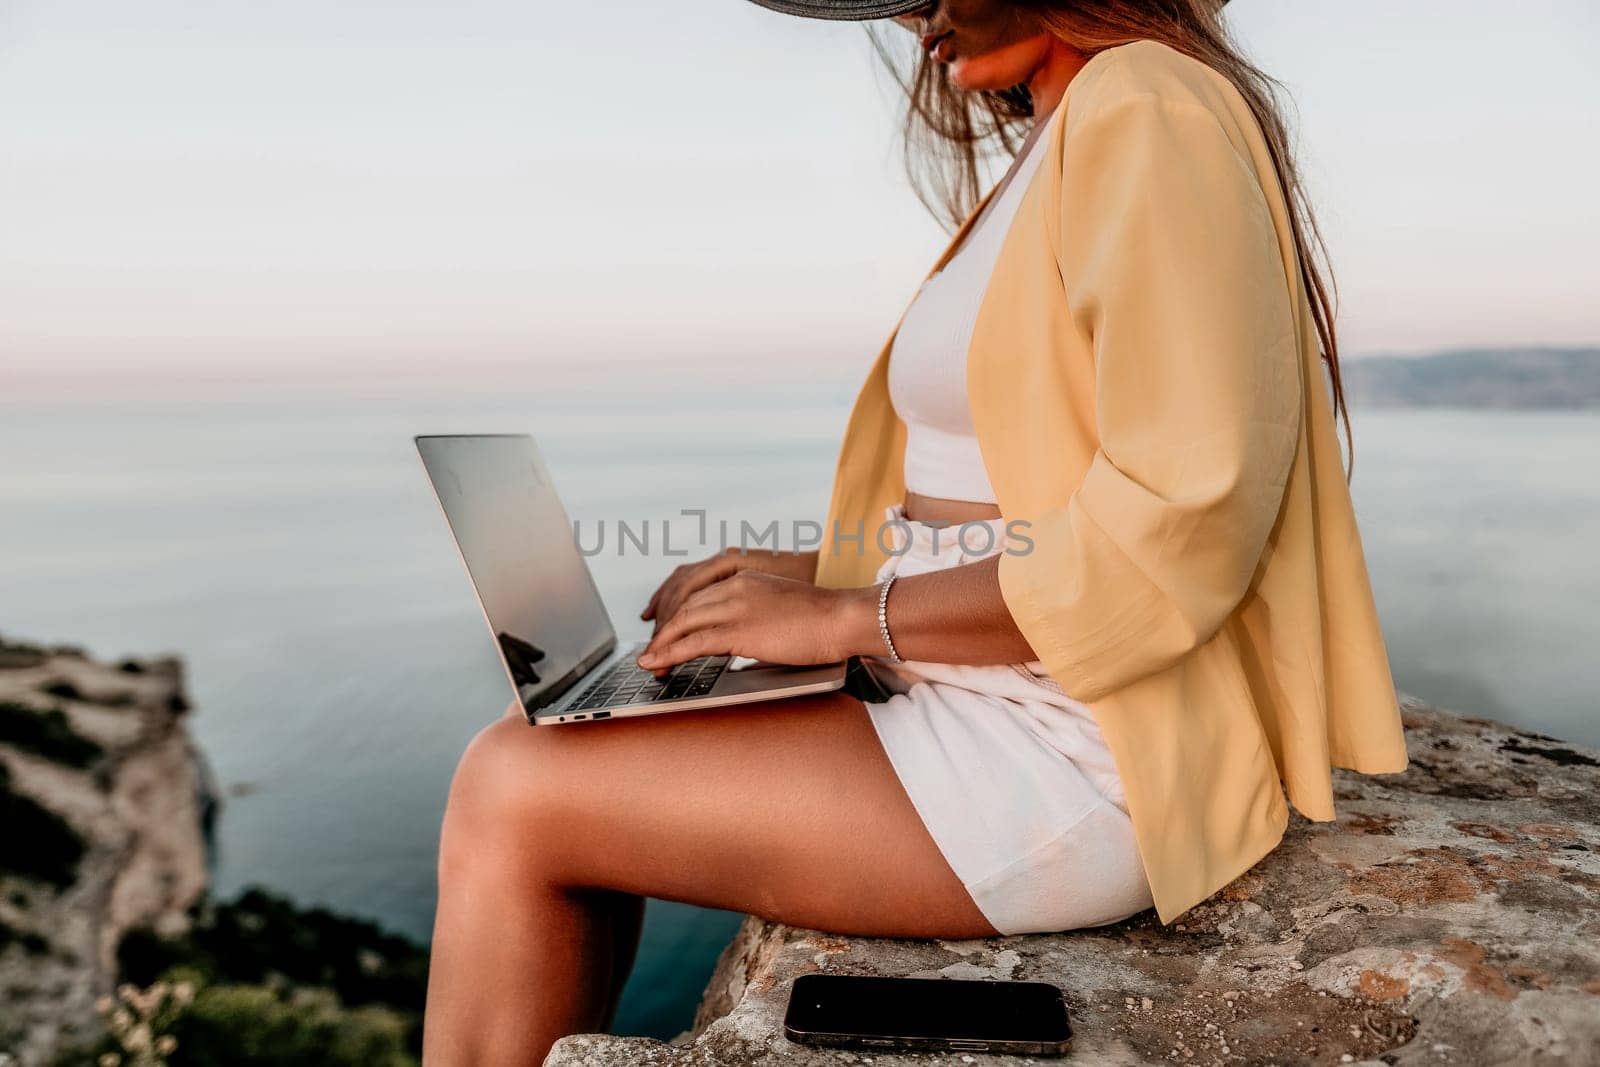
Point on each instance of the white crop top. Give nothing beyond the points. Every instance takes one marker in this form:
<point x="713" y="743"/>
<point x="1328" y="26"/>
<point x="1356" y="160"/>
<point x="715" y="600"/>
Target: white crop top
<point x="928" y="363"/>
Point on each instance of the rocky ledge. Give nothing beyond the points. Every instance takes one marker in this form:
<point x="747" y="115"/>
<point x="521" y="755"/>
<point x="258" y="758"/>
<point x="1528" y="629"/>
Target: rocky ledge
<point x="104" y="803"/>
<point x="1451" y="915"/>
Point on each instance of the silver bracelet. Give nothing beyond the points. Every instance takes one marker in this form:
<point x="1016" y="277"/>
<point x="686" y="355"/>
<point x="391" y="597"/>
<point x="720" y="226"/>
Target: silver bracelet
<point x="883" y="619"/>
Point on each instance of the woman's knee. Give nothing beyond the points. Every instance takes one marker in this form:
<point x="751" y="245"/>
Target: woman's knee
<point x="499" y="799"/>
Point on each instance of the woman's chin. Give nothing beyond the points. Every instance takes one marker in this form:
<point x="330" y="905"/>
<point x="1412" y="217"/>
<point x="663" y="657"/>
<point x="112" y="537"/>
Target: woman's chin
<point x="960" y="73"/>
<point x="998" y="68"/>
<point x="973" y="75"/>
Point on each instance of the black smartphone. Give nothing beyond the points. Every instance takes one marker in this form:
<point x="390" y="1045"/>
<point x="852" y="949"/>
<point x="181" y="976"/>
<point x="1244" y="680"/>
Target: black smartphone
<point x="927" y="1014"/>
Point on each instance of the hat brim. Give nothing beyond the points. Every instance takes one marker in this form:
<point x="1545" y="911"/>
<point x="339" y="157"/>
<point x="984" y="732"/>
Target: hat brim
<point x="848" y="10"/>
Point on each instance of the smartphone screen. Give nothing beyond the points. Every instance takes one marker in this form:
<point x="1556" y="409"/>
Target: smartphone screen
<point x="927" y="1013"/>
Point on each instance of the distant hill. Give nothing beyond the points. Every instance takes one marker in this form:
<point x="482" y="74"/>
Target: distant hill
<point x="1476" y="378"/>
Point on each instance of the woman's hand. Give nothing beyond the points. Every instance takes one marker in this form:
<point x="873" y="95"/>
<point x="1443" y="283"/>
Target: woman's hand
<point x="690" y="578"/>
<point x="765" y="616"/>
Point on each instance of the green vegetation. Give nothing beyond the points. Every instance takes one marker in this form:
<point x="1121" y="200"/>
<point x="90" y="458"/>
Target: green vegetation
<point x="276" y="985"/>
<point x="46" y="733"/>
<point x="181" y="1022"/>
<point x="261" y="935"/>
<point x="277" y="1026"/>
<point x="39" y="843"/>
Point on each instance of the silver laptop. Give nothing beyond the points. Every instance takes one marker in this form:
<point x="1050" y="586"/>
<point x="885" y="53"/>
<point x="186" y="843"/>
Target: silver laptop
<point x="554" y="636"/>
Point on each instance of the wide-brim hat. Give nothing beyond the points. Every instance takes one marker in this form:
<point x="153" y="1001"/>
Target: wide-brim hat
<point x="856" y="10"/>
<point x="843" y="9"/>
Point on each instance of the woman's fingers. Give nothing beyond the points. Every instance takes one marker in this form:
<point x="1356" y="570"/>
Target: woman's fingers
<point x="650" y="605"/>
<point x="696" y="613"/>
<point x="661" y="605"/>
<point x="689" y="578"/>
<point x="693" y="580"/>
<point x="664" y="592"/>
<point x="708" y="608"/>
<point x="655" y="598"/>
<point x="711" y="641"/>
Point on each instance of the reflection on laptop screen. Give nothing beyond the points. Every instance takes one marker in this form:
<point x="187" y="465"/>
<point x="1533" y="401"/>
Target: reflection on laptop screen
<point x="517" y="543"/>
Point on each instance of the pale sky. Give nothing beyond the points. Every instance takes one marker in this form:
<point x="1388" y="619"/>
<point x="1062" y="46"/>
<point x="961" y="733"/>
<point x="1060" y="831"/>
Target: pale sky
<point x="302" y="187"/>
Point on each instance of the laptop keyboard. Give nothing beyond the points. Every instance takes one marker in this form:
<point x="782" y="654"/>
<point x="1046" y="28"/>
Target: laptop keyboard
<point x="626" y="683"/>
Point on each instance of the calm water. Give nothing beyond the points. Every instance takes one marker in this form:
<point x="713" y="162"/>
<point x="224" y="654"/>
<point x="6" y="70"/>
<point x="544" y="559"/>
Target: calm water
<point x="287" y="546"/>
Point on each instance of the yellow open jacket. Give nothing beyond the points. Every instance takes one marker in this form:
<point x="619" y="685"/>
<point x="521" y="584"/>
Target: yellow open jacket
<point x="1145" y="381"/>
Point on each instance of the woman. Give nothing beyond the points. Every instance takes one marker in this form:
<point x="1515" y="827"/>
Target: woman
<point x="1151" y="618"/>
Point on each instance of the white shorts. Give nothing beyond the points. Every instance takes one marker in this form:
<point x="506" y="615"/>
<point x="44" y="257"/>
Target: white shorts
<point x="1010" y="775"/>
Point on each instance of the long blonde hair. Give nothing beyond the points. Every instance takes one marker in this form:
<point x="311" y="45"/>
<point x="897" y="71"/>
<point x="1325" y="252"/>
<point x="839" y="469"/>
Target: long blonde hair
<point x="946" y="126"/>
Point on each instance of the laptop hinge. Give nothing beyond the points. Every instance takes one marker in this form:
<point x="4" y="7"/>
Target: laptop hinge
<point x="560" y="686"/>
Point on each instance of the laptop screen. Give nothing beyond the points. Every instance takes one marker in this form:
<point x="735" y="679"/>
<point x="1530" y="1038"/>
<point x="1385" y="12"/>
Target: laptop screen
<point x="517" y="542"/>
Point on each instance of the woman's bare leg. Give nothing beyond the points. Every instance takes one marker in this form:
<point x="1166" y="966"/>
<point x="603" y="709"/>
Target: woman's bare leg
<point x="625" y="913"/>
<point x="623" y="916"/>
<point x="789" y="810"/>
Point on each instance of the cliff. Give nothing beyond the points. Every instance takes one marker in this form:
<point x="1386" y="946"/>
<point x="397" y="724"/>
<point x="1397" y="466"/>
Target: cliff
<point x="1450" y="915"/>
<point x="105" y="803"/>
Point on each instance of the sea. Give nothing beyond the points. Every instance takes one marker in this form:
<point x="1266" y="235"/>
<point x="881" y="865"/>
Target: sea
<point x="283" y="541"/>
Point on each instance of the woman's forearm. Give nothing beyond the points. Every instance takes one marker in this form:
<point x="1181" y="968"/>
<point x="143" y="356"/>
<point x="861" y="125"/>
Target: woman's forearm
<point x="955" y="615"/>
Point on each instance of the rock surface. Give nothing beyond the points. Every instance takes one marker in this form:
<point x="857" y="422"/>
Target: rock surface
<point x="134" y="791"/>
<point x="1451" y="915"/>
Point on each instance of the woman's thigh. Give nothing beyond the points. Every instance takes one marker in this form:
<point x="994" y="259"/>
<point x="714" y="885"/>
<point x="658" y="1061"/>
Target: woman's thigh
<point x="786" y="809"/>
